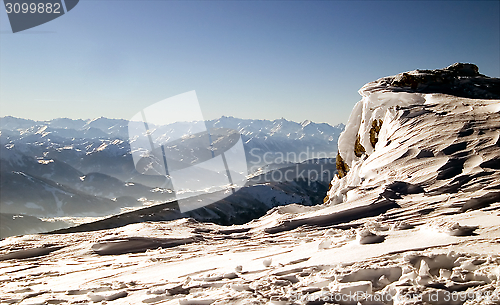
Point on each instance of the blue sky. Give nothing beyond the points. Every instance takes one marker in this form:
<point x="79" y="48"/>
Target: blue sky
<point x="250" y="59"/>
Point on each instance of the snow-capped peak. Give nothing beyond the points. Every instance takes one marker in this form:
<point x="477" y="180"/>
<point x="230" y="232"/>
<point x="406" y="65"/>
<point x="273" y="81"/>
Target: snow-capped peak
<point x="397" y="119"/>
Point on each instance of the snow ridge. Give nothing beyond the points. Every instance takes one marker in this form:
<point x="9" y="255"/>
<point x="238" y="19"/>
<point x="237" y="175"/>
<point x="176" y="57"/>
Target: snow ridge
<point x="414" y="220"/>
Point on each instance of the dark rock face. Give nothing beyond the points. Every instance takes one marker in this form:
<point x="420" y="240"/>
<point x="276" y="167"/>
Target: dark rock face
<point x="374" y="131"/>
<point x="342" y="167"/>
<point x="359" y="150"/>
<point x="459" y="79"/>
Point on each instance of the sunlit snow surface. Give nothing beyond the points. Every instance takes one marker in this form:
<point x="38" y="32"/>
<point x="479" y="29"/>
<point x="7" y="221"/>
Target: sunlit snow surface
<point x="415" y="221"/>
<point x="438" y="140"/>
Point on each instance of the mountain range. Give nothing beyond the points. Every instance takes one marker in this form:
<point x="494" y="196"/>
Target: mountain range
<point x="66" y="167"/>
<point x="411" y="218"/>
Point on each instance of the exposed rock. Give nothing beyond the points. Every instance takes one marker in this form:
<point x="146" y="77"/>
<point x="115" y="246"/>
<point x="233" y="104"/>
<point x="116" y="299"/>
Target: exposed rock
<point x="459" y="79"/>
<point x="359" y="150"/>
<point x="342" y="167"/>
<point x="374" y="131"/>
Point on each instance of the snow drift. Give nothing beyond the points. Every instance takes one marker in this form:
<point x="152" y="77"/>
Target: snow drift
<point x="431" y="141"/>
<point x="412" y="218"/>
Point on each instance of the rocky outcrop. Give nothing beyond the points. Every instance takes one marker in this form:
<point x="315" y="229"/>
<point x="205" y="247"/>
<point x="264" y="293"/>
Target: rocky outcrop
<point x="407" y="121"/>
<point x="459" y="79"/>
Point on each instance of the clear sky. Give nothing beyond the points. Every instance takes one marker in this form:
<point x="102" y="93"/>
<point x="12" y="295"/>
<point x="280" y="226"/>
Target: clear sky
<point x="249" y="59"/>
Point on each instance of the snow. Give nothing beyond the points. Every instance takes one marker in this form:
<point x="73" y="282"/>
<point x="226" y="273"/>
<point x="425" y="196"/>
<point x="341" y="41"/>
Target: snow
<point x="401" y="143"/>
<point x="45" y="162"/>
<point x="373" y="106"/>
<point x="414" y="221"/>
<point x="235" y="266"/>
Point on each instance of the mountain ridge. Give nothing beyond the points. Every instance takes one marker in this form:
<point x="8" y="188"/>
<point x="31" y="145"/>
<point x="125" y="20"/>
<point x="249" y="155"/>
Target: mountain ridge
<point x="411" y="220"/>
<point x="94" y="162"/>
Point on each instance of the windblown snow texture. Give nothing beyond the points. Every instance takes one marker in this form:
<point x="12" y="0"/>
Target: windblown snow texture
<point x="413" y="220"/>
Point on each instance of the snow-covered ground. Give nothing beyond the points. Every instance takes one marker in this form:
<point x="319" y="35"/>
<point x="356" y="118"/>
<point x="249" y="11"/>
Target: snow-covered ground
<point x="413" y="220"/>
